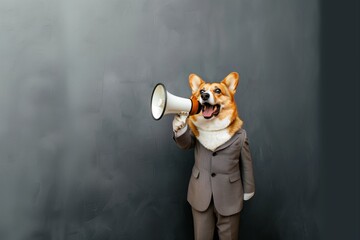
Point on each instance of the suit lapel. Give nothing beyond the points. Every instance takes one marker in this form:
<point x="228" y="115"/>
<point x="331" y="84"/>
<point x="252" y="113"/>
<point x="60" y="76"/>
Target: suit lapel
<point x="230" y="141"/>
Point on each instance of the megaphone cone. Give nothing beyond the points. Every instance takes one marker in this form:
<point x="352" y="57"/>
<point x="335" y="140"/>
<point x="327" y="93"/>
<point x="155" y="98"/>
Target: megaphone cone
<point x="163" y="102"/>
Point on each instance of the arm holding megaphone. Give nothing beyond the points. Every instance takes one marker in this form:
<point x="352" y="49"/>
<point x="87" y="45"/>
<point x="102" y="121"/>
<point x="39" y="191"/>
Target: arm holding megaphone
<point x="182" y="134"/>
<point x="180" y="123"/>
<point x="163" y="103"/>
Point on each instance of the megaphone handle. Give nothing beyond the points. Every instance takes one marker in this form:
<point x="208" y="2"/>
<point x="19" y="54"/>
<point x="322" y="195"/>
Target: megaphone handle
<point x="183" y="114"/>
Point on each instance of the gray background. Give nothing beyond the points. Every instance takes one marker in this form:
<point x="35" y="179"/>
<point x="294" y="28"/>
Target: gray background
<point x="81" y="156"/>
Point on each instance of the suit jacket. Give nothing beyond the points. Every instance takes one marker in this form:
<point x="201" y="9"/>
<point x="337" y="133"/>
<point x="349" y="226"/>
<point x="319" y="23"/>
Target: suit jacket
<point x="223" y="175"/>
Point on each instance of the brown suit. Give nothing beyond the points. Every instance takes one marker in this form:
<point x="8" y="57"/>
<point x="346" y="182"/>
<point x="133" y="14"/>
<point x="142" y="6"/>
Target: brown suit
<point x="222" y="176"/>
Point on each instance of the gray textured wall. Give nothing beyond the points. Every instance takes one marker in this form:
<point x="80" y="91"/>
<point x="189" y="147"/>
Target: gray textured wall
<point x="81" y="156"/>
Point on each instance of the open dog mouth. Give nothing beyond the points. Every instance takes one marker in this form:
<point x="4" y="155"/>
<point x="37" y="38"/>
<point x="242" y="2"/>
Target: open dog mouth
<point x="208" y="110"/>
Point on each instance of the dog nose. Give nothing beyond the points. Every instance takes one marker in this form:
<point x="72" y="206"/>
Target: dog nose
<point x="205" y="96"/>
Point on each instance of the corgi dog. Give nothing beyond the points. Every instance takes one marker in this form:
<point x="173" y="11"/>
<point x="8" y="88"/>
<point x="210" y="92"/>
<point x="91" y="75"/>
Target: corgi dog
<point x="218" y="118"/>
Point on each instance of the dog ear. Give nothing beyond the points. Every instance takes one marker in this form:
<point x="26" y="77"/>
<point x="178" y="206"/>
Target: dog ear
<point x="195" y="81"/>
<point x="231" y="81"/>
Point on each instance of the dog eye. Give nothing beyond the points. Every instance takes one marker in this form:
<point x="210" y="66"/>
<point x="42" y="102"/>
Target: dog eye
<point x="202" y="91"/>
<point x="217" y="90"/>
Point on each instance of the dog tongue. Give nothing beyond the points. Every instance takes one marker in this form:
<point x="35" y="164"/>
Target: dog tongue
<point x="208" y="111"/>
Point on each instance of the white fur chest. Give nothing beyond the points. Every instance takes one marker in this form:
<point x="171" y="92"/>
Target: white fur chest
<point x="212" y="133"/>
<point x="213" y="139"/>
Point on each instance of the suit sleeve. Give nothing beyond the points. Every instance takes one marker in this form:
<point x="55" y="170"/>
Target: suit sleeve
<point x="247" y="168"/>
<point x="186" y="140"/>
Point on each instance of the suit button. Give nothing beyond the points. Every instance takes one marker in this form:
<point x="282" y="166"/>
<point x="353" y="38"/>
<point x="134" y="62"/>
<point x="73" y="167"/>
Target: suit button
<point x="213" y="174"/>
<point x="214" y="153"/>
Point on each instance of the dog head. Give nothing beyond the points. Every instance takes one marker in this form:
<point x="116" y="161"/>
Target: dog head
<point x="218" y="106"/>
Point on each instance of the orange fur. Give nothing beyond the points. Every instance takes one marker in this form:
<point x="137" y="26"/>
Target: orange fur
<point x="193" y="127"/>
<point x="226" y="99"/>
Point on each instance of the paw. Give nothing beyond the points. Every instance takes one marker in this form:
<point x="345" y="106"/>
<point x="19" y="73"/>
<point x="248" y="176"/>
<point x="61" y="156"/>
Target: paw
<point x="179" y="121"/>
<point x="247" y="196"/>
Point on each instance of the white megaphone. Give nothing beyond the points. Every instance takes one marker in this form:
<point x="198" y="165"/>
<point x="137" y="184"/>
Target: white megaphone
<point x="163" y="102"/>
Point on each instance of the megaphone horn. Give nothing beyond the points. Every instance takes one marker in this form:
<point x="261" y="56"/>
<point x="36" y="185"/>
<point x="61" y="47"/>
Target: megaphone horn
<point x="163" y="102"/>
